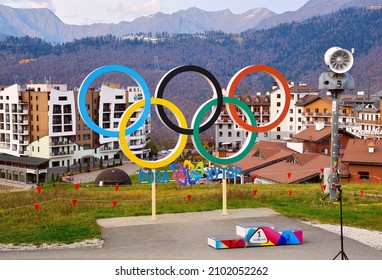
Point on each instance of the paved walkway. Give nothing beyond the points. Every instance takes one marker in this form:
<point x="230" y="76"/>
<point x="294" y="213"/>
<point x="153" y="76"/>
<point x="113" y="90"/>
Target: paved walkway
<point x="184" y="237"/>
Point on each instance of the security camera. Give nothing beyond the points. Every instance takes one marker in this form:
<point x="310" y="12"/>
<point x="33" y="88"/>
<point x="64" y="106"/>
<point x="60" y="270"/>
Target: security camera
<point x="339" y="60"/>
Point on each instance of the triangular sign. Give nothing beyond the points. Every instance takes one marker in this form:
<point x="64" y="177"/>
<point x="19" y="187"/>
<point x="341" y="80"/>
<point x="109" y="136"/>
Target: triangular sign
<point x="258" y="237"/>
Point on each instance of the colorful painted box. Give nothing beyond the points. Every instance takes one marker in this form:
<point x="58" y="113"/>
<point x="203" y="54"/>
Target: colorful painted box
<point x="226" y="241"/>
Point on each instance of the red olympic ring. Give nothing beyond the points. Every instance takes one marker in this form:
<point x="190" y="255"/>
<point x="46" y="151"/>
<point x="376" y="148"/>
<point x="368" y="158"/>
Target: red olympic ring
<point x="234" y="82"/>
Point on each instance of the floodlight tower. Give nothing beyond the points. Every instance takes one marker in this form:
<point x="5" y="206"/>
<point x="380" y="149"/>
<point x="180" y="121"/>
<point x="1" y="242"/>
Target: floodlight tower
<point x="336" y="80"/>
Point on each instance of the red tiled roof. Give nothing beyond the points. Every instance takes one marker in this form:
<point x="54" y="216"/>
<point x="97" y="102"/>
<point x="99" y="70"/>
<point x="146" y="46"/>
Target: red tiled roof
<point x="311" y="134"/>
<point x="267" y="153"/>
<point x="357" y="151"/>
<point x="308" y="167"/>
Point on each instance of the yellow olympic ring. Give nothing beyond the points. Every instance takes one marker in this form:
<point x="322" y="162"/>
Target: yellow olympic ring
<point x="170" y="158"/>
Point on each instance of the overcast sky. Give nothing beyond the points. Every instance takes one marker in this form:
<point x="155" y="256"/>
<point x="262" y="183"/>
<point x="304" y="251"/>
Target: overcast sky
<point x="114" y="11"/>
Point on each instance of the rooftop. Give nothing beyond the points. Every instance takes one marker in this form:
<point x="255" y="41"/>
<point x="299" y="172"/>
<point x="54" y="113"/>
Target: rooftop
<point x="32" y="161"/>
<point x="357" y="151"/>
<point x="302" y="167"/>
<point x="263" y="154"/>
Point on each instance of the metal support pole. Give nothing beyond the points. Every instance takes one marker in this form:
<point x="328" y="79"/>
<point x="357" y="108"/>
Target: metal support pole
<point x="224" y="193"/>
<point x="334" y="144"/>
<point x="153" y="198"/>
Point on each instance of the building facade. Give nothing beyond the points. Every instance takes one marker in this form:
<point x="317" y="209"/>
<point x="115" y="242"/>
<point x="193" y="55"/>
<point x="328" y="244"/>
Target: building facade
<point x="42" y="121"/>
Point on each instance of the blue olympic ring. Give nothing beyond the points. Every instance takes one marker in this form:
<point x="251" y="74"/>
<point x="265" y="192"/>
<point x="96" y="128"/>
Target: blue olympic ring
<point x="95" y="74"/>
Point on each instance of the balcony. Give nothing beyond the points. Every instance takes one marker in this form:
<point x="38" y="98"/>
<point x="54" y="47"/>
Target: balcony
<point x="107" y="149"/>
<point x="61" y="154"/>
<point x="359" y="121"/>
<point x="23" y="112"/>
<point x="59" y="143"/>
<point x="24" y="142"/>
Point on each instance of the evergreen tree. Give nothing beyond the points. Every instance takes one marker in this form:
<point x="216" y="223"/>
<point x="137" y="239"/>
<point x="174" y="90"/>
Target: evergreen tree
<point x="101" y="163"/>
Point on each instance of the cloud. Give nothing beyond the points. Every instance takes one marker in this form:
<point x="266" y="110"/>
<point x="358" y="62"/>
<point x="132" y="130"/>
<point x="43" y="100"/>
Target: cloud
<point x="30" y="4"/>
<point x="134" y="9"/>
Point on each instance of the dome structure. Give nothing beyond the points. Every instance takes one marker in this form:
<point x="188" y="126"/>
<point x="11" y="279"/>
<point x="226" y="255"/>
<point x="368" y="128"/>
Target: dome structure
<point x="112" y="177"/>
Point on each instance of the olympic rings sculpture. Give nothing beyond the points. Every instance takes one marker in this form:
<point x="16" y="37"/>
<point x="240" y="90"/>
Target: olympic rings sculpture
<point x="196" y="126"/>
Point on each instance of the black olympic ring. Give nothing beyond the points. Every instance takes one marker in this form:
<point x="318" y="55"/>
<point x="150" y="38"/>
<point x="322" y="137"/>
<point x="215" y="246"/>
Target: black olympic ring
<point x="214" y="85"/>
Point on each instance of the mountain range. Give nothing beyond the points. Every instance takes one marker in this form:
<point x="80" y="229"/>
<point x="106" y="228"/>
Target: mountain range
<point x="44" y="24"/>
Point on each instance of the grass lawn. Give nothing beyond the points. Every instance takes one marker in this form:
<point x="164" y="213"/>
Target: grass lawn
<point x="57" y="220"/>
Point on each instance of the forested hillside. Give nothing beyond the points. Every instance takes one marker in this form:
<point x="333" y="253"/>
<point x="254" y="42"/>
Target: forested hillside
<point x="295" y="49"/>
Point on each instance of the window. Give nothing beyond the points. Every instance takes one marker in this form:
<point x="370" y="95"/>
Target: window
<point x="278" y="95"/>
<point x="308" y="110"/>
<point x="36" y="107"/>
<point x="220" y="134"/>
<point x="363" y="175"/>
<point x="119" y="97"/>
<point x="37" y="118"/>
<point x="291" y="111"/>
<point x="238" y="134"/>
<point x="62" y="98"/>
<point x="291" y="119"/>
<point x="316" y="110"/>
<point x="229" y="134"/>
<point x="299" y="111"/>
<point x="278" y="128"/>
<point x="278" y="137"/>
<point x="278" y="104"/>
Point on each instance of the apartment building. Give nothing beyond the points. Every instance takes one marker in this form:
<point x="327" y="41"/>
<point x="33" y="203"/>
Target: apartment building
<point x="41" y="121"/>
<point x="228" y="135"/>
<point x="265" y="107"/>
<point x="369" y="123"/>
<point x="293" y="122"/>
